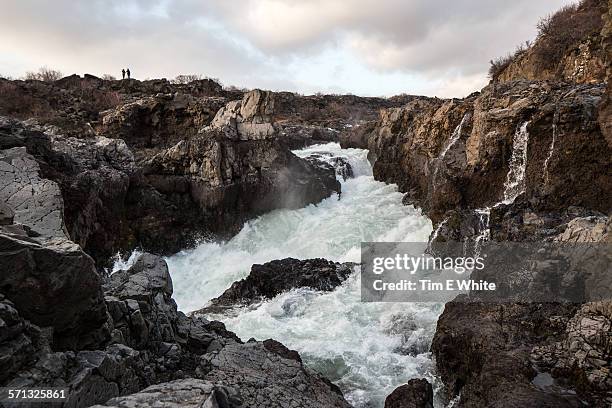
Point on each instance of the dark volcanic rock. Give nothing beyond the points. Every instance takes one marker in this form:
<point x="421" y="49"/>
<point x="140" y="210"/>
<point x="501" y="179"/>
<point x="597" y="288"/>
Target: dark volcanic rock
<point x="491" y="353"/>
<point x="357" y="136"/>
<point x="267" y="379"/>
<point x="221" y="182"/>
<point x="195" y="360"/>
<point x="209" y="184"/>
<point x="275" y="277"/>
<point x="18" y="340"/>
<point x="187" y="393"/>
<point x="160" y="121"/>
<point x="51" y="281"/>
<point x="417" y="393"/>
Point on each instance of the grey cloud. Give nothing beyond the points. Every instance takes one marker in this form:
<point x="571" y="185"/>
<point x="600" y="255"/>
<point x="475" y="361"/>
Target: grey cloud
<point x="252" y="42"/>
<point x="431" y="36"/>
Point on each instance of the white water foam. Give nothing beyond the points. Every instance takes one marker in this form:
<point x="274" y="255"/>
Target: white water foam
<point x="122" y="264"/>
<point x="368" y="349"/>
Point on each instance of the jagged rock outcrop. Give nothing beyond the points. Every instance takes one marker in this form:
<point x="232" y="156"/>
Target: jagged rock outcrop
<point x="159" y="121"/>
<point x="456" y="153"/>
<point x="357" y="136"/>
<point x="206" y="184"/>
<point x="94" y="176"/>
<point x="267" y="379"/>
<point x="275" y="277"/>
<point x="229" y="181"/>
<point x="18" y="340"/>
<point x="188" y="393"/>
<point x="51" y="281"/>
<point x="494" y="354"/>
<point x="192" y="359"/>
<point x="417" y="393"/>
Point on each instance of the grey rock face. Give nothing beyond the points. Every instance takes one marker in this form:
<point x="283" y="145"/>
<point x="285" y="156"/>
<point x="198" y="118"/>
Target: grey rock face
<point x="18" y="340"/>
<point x="193" y="361"/>
<point x="188" y="393"/>
<point x="51" y="281"/>
<point x="33" y="201"/>
<point x="248" y="119"/>
<point x="265" y="379"/>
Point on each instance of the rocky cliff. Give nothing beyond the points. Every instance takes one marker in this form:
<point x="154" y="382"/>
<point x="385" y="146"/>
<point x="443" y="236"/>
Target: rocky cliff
<point x="90" y="167"/>
<point x="525" y="159"/>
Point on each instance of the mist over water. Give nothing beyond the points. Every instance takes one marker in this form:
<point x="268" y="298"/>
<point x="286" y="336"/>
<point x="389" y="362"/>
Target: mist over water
<point x="367" y="349"/>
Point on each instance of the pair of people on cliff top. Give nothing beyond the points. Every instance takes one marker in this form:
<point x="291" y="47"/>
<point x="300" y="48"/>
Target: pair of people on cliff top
<point x="123" y="72"/>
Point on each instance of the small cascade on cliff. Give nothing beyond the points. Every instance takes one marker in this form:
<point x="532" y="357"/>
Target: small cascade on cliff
<point x="367" y="349"/>
<point x="515" y="180"/>
<point x="513" y="186"/>
<point x="484" y="233"/>
<point x="436" y="232"/>
<point x="453" y="139"/>
<point x="551" y="150"/>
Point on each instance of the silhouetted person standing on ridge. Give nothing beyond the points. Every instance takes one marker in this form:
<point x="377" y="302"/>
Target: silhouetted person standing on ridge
<point x="128" y="73"/>
<point x="123" y="73"/>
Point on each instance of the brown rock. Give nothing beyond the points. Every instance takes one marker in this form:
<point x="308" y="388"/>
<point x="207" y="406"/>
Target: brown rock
<point x="417" y="393"/>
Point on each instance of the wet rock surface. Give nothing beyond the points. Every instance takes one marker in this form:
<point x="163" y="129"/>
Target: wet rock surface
<point x="191" y="359"/>
<point x="275" y="277"/>
<point x="162" y="201"/>
<point x="417" y="393"/>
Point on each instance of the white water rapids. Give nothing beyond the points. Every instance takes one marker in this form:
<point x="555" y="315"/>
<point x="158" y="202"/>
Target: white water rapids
<point x="367" y="349"/>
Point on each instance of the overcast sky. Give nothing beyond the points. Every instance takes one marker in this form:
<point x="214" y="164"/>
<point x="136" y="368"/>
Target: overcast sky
<point x="365" y="47"/>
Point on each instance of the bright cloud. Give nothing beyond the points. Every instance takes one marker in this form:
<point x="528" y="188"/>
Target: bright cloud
<point x="372" y="47"/>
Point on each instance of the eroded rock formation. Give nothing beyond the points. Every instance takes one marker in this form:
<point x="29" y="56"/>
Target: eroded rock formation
<point x="275" y="277"/>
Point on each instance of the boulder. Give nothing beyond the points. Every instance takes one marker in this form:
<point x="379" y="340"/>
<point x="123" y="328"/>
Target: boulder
<point x="265" y="378"/>
<point x="417" y="393"/>
<point x="275" y="277"/>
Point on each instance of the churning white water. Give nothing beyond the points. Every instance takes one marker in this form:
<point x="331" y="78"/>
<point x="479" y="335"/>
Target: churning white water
<point x="368" y="349"/>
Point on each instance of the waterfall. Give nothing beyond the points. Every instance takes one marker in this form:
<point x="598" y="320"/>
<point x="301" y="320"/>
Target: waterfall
<point x="454" y="136"/>
<point x="552" y="147"/>
<point x="515" y="179"/>
<point x="453" y="139"/>
<point x="434" y="235"/>
<point x="483" y="232"/>
<point x="513" y="186"/>
<point x="367" y="349"/>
